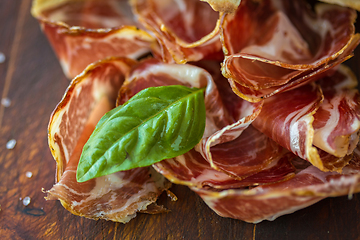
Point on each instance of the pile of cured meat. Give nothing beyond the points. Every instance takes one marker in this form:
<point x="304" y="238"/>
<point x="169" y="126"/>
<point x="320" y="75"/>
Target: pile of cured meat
<point x="282" y="112"/>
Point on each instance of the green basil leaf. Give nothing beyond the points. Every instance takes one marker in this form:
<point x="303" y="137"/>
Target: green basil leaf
<point x="157" y="123"/>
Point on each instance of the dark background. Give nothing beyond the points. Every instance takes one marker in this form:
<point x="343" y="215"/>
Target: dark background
<point x="32" y="79"/>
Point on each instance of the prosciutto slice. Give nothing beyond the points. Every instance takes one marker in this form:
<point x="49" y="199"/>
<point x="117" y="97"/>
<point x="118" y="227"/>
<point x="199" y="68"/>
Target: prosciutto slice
<point x="119" y="196"/>
<point x="321" y="129"/>
<point x="267" y="202"/>
<point x="337" y="121"/>
<point x="192" y="170"/>
<point x="222" y="127"/>
<point x="82" y="32"/>
<point x="287" y="119"/>
<point x="186" y="30"/>
<point x="293" y="47"/>
<point x="152" y="73"/>
<point x="242" y="156"/>
<point x="222" y="150"/>
<point x="225" y="130"/>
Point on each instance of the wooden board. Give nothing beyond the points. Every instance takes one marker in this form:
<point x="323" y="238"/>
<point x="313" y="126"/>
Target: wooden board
<point x="32" y="79"/>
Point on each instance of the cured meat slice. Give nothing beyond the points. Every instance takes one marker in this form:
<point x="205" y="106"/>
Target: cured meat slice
<point x="82" y="32"/>
<point x="337" y="121"/>
<point x="242" y="156"/>
<point x="66" y="124"/>
<point x="152" y="73"/>
<point x="227" y="128"/>
<point x="290" y="49"/>
<point x="187" y="30"/>
<point x="267" y="202"/>
<point x="116" y="197"/>
<point x="237" y="149"/>
<point x="324" y="132"/>
<point x="287" y="119"/>
<point x="304" y="78"/>
<point x="222" y="127"/>
<point x="192" y="170"/>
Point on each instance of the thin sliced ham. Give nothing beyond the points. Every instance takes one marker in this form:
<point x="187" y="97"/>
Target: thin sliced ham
<point x="82" y="32"/>
<point x="276" y="45"/>
<point x="267" y="202"/>
<point x="225" y="130"/>
<point x="152" y="73"/>
<point x="228" y="119"/>
<point x="337" y="121"/>
<point x="221" y="139"/>
<point x="186" y="30"/>
<point x="319" y="126"/>
<point x="192" y="170"/>
<point x="119" y="196"/>
<point x="240" y="151"/>
<point x="287" y="119"/>
<point x="237" y="149"/>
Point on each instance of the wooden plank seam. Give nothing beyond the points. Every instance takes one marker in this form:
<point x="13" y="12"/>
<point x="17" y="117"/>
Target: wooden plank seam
<point x="13" y="53"/>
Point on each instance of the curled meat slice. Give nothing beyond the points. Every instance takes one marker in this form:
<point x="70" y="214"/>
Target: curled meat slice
<point x="222" y="150"/>
<point x="276" y="45"/>
<point x="240" y="150"/>
<point x="192" y="170"/>
<point x="267" y="202"/>
<point x="337" y="121"/>
<point x="228" y="119"/>
<point x="152" y="73"/>
<point x="116" y="197"/>
<point x="287" y="119"/>
<point x="321" y="128"/>
<point x="186" y="30"/>
<point x="82" y="32"/>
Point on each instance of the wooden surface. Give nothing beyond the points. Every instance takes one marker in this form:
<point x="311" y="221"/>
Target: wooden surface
<point x="32" y="79"/>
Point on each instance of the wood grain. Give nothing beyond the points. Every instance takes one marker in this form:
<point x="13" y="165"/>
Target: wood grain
<point x="32" y="79"/>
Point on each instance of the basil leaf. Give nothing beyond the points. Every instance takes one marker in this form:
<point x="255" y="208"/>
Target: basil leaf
<point x="155" y="124"/>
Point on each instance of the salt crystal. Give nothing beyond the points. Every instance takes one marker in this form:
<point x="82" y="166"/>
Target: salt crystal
<point x="26" y="201"/>
<point x="11" y="144"/>
<point x="28" y="174"/>
<point x="6" y="102"/>
<point x="2" y="57"/>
